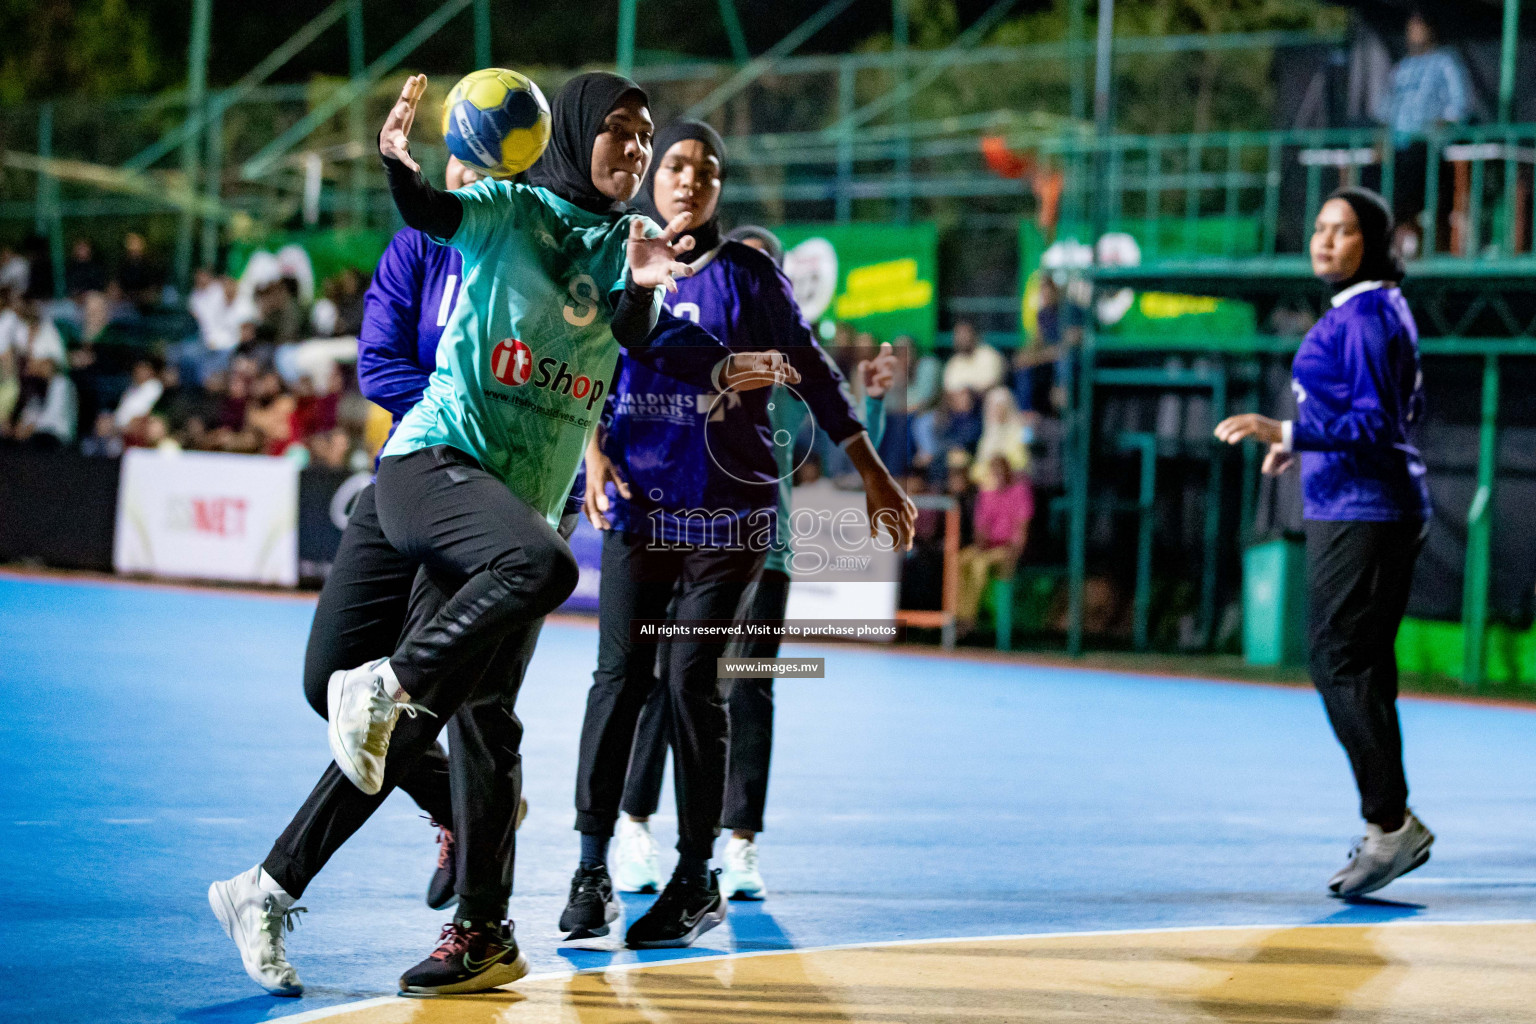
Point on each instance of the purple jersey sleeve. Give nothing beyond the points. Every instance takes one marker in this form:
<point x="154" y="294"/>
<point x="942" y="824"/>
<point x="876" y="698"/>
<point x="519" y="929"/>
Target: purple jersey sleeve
<point x="1366" y="414"/>
<point x="388" y="368"/>
<point x="682" y="350"/>
<point x="777" y="323"/>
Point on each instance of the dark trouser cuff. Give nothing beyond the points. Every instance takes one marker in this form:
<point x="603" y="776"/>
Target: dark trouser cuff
<point x="694" y="847"/>
<point x="595" y="823"/>
<point x="481" y="909"/>
<point x="285" y="873"/>
<point x="742" y="824"/>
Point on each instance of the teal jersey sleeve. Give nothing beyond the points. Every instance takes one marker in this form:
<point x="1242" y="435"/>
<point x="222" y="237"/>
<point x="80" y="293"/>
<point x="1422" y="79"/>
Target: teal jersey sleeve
<point x="490" y="207"/>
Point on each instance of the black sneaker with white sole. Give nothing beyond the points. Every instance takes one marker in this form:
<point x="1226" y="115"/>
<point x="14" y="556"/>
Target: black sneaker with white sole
<point x="591" y="907"/>
<point x="472" y="957"/>
<point x="686" y="909"/>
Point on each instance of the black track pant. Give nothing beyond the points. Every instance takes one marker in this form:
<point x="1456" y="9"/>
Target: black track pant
<point x="491" y="568"/>
<point x="749" y="714"/>
<point x="361" y="616"/>
<point x="1358" y="578"/>
<point x="637" y="582"/>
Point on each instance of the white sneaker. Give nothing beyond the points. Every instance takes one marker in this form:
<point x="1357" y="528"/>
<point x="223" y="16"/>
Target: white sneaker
<point x="636" y="860"/>
<point x="1378" y="857"/>
<point x="362" y="718"/>
<point x="740" y="880"/>
<point x="255" y="916"/>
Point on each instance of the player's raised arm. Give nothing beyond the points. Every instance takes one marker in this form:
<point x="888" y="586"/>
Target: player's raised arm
<point x="395" y="139"/>
<point x="421" y="206"/>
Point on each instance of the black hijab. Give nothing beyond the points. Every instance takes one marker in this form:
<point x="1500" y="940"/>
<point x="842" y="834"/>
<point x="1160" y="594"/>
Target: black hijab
<point x="577" y="116"/>
<point x="707" y="235"/>
<point x="1379" y="262"/>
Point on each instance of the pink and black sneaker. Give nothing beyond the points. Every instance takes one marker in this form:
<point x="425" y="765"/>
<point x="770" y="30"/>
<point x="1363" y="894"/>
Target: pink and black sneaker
<point x="472" y="957"/>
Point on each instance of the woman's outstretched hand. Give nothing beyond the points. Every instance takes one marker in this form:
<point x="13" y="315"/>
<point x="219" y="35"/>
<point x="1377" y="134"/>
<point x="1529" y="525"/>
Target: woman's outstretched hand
<point x="653" y="261"/>
<point x="879" y="373"/>
<point x="1249" y="424"/>
<point x="748" y="371"/>
<point x="1277" y="460"/>
<point x="394" y="140"/>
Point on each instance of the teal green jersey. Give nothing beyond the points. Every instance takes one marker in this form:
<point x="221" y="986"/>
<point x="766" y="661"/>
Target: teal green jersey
<point x="527" y="356"/>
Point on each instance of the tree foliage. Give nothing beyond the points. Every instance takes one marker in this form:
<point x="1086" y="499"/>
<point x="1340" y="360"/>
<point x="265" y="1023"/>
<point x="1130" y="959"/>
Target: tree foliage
<point x="80" y="48"/>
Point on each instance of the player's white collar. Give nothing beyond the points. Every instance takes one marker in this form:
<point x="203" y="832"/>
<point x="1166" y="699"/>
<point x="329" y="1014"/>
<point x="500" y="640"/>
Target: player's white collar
<point x="1356" y="289"/>
<point x="703" y="261"/>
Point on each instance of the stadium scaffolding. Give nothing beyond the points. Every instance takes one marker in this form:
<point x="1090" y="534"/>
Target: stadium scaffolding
<point x="244" y="154"/>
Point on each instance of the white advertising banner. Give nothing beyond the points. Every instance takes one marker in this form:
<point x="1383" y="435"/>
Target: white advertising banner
<point x="838" y="571"/>
<point x="201" y="515"/>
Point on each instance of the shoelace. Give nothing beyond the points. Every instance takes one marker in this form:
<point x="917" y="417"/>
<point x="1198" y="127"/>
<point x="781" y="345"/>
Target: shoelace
<point x="1356" y="847"/>
<point x="584" y="885"/>
<point x="444" y="844"/>
<point x="453" y="941"/>
<point x="275" y="920"/>
<point x="381" y="711"/>
<point x="456" y="939"/>
<point x="749" y="857"/>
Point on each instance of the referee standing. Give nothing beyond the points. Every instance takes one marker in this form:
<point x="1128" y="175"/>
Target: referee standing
<point x="1366" y="504"/>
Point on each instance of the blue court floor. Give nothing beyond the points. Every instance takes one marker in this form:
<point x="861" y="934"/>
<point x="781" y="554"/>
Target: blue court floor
<point x="156" y="739"/>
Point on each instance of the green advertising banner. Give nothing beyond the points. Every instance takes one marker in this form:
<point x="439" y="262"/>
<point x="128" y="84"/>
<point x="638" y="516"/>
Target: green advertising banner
<point x="879" y="278"/>
<point x="1149" y="317"/>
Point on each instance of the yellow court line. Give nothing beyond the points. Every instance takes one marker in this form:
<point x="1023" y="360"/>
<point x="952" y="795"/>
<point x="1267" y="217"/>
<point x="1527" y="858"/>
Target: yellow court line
<point x="1407" y="971"/>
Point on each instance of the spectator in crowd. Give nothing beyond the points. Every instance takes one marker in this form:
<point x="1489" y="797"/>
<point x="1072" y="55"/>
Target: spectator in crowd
<point x="83" y="272"/>
<point x="1004" y="434"/>
<point x="317" y="411"/>
<point x="221" y="313"/>
<point x="1005" y="504"/>
<point x="234" y="391"/>
<point x="10" y="389"/>
<point x="143" y="392"/>
<point x="280" y="319"/>
<point x="1429" y="90"/>
<point x="1058" y="327"/>
<point x="179" y="403"/>
<point x="270" y="413"/>
<point x="25" y="332"/>
<point x="959" y="426"/>
<point x="139" y="277"/>
<point x="103" y="442"/>
<point x="15" y="271"/>
<point x="922" y="400"/>
<point x="957" y="484"/>
<point x="976" y="366"/>
<point x="47" y="415"/>
<point x="331" y="449"/>
<point x="339" y="313"/>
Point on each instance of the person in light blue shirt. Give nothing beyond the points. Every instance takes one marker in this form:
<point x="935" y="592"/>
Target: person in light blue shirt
<point x="1429" y="86"/>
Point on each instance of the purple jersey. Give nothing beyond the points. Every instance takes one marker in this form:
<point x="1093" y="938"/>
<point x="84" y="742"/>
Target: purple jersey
<point x="1358" y="393"/>
<point x="404" y="311"/>
<point x="701" y="467"/>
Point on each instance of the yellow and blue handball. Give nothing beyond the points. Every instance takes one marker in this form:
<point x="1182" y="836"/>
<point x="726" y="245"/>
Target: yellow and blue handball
<point x="496" y="121"/>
